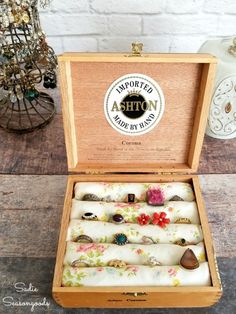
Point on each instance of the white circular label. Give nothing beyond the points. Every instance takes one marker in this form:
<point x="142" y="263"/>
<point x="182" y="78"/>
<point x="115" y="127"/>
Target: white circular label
<point x="134" y="104"/>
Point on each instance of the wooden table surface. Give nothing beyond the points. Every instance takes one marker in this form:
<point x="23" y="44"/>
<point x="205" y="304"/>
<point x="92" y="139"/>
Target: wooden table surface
<point x="33" y="177"/>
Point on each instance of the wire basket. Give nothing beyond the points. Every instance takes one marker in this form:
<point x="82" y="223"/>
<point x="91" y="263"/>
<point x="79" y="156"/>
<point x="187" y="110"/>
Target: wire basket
<point x="26" y="64"/>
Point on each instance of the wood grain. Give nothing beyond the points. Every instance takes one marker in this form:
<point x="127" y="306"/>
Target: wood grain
<point x="31" y="208"/>
<point x="218" y="156"/>
<point x="43" y="152"/>
<point x="40" y="152"/>
<point x="219" y="192"/>
<point x="39" y="272"/>
<point x="176" y="141"/>
<point x="200" y="120"/>
<point x="61" y="248"/>
<point x="146" y="57"/>
<point x="154" y="296"/>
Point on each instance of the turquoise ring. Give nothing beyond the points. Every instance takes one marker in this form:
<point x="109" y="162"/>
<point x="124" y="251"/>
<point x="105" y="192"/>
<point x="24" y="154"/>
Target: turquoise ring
<point x="120" y="239"/>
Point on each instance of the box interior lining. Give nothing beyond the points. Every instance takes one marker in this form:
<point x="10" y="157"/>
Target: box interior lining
<point x="189" y="180"/>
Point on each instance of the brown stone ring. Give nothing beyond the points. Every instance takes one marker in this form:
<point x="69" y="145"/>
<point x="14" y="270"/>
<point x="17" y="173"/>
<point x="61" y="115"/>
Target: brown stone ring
<point x="189" y="260"/>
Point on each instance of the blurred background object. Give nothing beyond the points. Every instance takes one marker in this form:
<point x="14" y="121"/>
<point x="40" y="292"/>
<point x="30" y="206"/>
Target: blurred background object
<point x="112" y="25"/>
<point x="161" y="25"/>
<point x="222" y="114"/>
<point x="27" y="65"/>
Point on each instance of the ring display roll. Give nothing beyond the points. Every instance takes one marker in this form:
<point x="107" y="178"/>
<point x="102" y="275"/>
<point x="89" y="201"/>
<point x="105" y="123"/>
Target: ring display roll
<point x="100" y="231"/>
<point x="100" y="254"/>
<point x="133" y="275"/>
<point x="130" y="211"/>
<point x="117" y="192"/>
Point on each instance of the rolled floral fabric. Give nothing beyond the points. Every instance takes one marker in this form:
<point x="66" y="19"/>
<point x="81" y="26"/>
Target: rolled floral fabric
<point x="100" y="254"/>
<point x="130" y="211"/>
<point x="117" y="192"/>
<point x="134" y="275"/>
<point x="104" y="232"/>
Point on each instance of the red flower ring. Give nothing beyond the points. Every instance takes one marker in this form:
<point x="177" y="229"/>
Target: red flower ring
<point x="160" y="219"/>
<point x="143" y="219"/>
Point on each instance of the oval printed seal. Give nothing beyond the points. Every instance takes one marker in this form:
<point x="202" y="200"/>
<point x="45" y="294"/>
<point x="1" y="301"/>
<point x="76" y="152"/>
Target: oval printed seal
<point x="134" y="104"/>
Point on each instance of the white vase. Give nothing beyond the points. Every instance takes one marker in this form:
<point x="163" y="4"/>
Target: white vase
<point x="222" y="115"/>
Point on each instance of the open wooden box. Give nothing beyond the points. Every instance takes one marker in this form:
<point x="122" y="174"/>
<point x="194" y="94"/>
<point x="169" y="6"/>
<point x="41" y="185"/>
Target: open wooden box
<point x="169" y="152"/>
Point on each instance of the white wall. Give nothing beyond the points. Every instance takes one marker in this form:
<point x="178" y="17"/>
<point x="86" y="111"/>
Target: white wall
<point x="111" y="25"/>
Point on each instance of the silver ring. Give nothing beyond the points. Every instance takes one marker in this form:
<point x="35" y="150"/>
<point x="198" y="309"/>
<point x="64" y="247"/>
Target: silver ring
<point x="83" y="239"/>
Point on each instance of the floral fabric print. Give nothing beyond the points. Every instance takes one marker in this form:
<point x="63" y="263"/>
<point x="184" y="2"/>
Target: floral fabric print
<point x="105" y="210"/>
<point x="138" y="255"/>
<point x="117" y="192"/>
<point x="99" y="254"/>
<point x="101" y="232"/>
<point x="134" y="275"/>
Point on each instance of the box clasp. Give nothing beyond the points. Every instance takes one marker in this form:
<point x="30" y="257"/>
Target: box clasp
<point x="136" y="49"/>
<point x="134" y="294"/>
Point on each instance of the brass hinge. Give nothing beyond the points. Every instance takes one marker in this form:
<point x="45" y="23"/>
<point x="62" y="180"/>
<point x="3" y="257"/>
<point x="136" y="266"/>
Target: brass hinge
<point x="93" y="172"/>
<point x="173" y="173"/>
<point x="86" y="171"/>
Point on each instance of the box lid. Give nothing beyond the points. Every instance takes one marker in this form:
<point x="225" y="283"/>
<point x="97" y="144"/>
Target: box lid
<point x="135" y="114"/>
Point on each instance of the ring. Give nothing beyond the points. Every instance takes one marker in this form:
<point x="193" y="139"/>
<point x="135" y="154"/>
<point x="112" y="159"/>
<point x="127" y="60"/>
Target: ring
<point x="182" y="221"/>
<point x="118" y="219"/>
<point x="148" y="240"/>
<point x="91" y="197"/>
<point x="116" y="263"/>
<point x="176" y="198"/>
<point x="131" y="198"/>
<point x="79" y="263"/>
<point x="155" y="197"/>
<point x="153" y="261"/>
<point x="182" y="242"/>
<point x="189" y="260"/>
<point x="84" y="239"/>
<point x="89" y="216"/>
<point x="120" y="239"/>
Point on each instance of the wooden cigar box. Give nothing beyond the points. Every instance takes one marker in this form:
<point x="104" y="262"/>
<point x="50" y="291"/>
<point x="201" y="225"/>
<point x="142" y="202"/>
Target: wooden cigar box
<point x="135" y="118"/>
